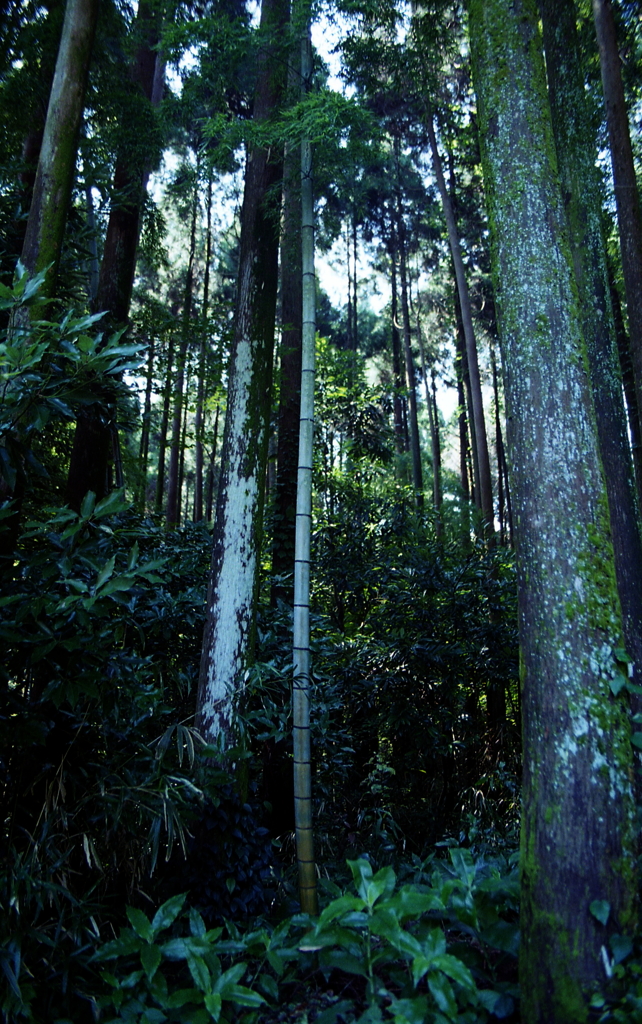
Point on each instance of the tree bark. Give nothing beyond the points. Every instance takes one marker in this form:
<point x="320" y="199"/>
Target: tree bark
<point x="415" y="447"/>
<point x="172" y="513"/>
<point x="88" y="466"/>
<point x="227" y="641"/>
<point x="162" y="434"/>
<point x="143" y="455"/>
<point x="199" y="418"/>
<point x="578" y="818"/>
<point x="477" y="405"/>
<point x="301" y="638"/>
<point x="290" y="368"/>
<point x="627" y="199"/>
<point x="57" y="161"/>
<point x="576" y="154"/>
<point x="434" y="437"/>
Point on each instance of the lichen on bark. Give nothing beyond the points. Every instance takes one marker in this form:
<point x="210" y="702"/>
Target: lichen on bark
<point x="578" y="812"/>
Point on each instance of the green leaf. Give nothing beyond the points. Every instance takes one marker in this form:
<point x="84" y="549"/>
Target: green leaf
<point x="382" y="884"/>
<point x="362" y="875"/>
<point x="269" y="986"/>
<point x="636" y="740"/>
<point x="125" y="945"/>
<point x="410" y="1011"/>
<point x="464" y="865"/>
<point x="88" y="503"/>
<point x="140" y="924"/>
<point x="106" y="571"/>
<point x="213" y="1002"/>
<point x="617" y="683"/>
<point x="621" y="946"/>
<point x="407" y="902"/>
<point x="168" y="912"/>
<point x="600" y="910"/>
<point x="455" y="969"/>
<point x="229" y="977"/>
<point x="343" y="961"/>
<point x="114" y="502"/>
<point x="442" y="992"/>
<point x="199" y="971"/>
<point x="183" y="995"/>
<point x="116" y="585"/>
<point x="150" y="958"/>
<point x="243" y="996"/>
<point x="338" y="907"/>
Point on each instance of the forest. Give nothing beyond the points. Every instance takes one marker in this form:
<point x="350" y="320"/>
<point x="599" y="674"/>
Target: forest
<point x="320" y="511"/>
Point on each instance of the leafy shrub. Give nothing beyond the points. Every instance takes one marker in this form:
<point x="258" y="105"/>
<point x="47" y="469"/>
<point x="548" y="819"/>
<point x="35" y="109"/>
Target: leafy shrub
<point x="396" y="942"/>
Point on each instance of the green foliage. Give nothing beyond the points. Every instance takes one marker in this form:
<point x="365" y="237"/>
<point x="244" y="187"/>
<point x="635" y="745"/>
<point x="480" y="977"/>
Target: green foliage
<point x="142" y="988"/>
<point x="48" y="371"/>
<point x="427" y="951"/>
<point x="99" y="769"/>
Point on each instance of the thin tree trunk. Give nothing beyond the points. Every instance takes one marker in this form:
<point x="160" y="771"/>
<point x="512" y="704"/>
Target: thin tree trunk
<point x="162" y="436"/>
<point x="228" y="635"/>
<point x="301" y="646"/>
<point x="143" y="455"/>
<point x="434" y="436"/>
<point x="628" y="381"/>
<point x="355" y="321"/>
<point x="199" y="421"/>
<point x="499" y="448"/>
<point x="477" y="406"/>
<point x="578" y="820"/>
<point x="290" y="368"/>
<point x="472" y="450"/>
<point x="576" y="154"/>
<point x="627" y="199"/>
<point x="172" y="514"/>
<point x="415" y="447"/>
<point x="209" y="497"/>
<point x="399" y="390"/>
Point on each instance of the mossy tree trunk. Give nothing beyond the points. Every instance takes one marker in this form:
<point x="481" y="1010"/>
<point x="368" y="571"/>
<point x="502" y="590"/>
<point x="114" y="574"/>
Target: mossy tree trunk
<point x="578" y="823"/>
<point x="576" y="154"/>
<point x="54" y="177"/>
<point x="227" y="639"/>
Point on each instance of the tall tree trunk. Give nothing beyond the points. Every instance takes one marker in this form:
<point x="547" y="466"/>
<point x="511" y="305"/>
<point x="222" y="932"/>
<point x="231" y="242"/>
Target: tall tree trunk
<point x="162" y="434"/>
<point x="628" y="381"/>
<point x="627" y="199"/>
<point x="434" y="436"/>
<point x="227" y="640"/>
<point x="209" y="490"/>
<point x="89" y="456"/>
<point x="415" y="447"/>
<point x="576" y="155"/>
<point x="181" y="460"/>
<point x="477" y="405"/>
<point x="143" y="455"/>
<point x="499" y="448"/>
<point x="199" y="418"/>
<point x="56" y="165"/>
<point x="472" y="449"/>
<point x="290" y="368"/>
<point x="301" y="646"/>
<point x="172" y="513"/>
<point x="399" y="390"/>
<point x="578" y="818"/>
